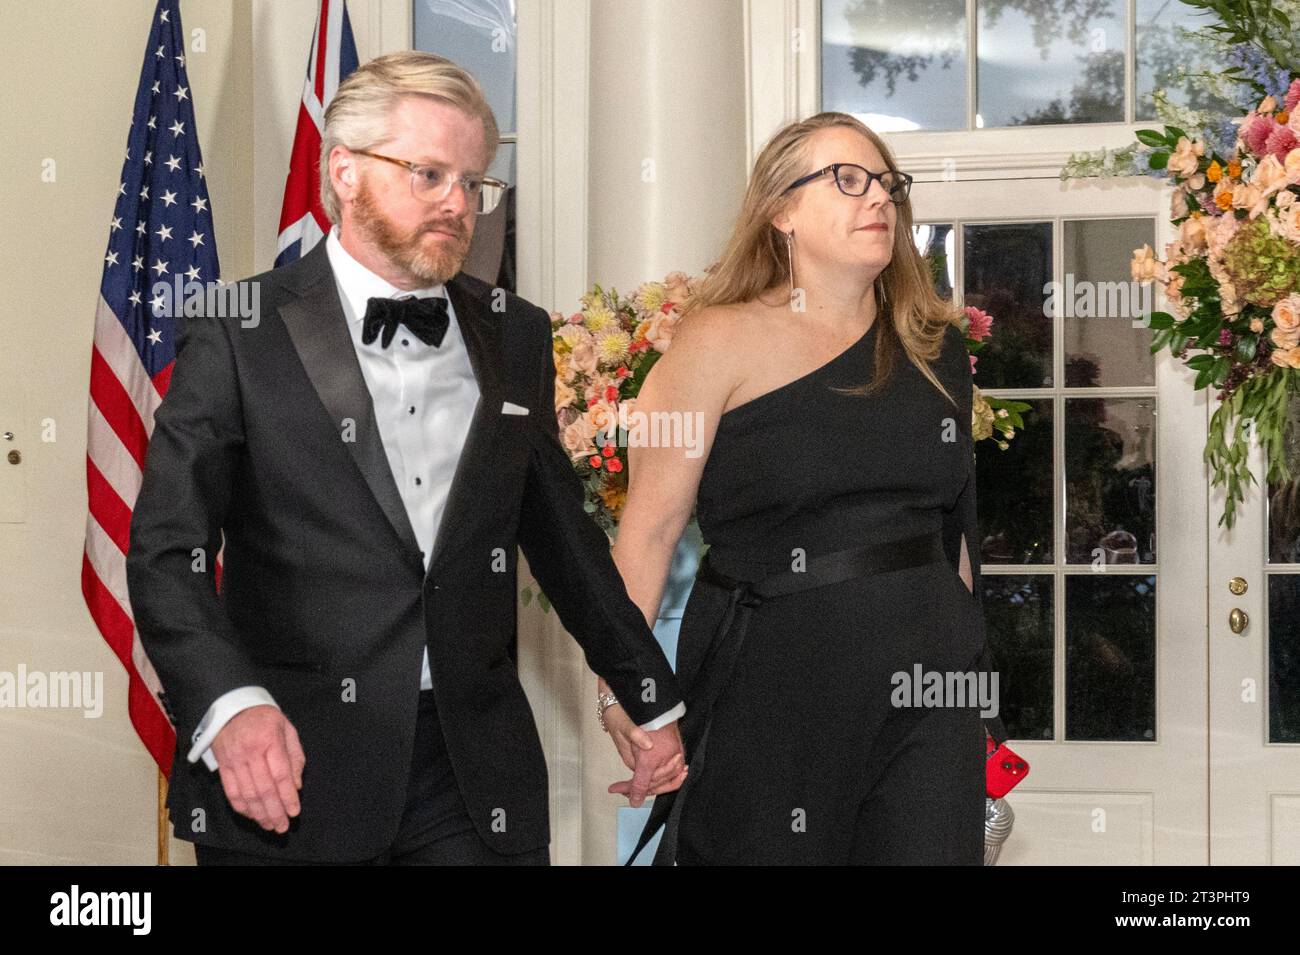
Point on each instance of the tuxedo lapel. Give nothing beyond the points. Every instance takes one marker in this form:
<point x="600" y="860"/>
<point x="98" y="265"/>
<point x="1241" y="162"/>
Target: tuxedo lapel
<point x="318" y="328"/>
<point x="481" y="330"/>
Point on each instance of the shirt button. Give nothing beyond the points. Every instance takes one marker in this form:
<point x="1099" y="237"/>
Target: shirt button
<point x="406" y="342"/>
<point x="417" y="482"/>
<point x="411" y="409"/>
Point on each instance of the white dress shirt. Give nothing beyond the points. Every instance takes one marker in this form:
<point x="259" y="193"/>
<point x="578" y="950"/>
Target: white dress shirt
<point x="424" y="397"/>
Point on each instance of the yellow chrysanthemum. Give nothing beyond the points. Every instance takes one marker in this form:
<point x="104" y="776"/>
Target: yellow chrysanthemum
<point x="612" y="346"/>
<point x="650" y="296"/>
<point x="597" y="318"/>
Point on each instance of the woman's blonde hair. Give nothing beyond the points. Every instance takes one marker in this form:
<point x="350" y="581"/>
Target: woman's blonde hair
<point x="358" y="115"/>
<point x="911" y="315"/>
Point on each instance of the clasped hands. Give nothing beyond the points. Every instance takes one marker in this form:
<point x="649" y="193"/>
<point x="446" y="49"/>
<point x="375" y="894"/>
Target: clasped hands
<point x="656" y="757"/>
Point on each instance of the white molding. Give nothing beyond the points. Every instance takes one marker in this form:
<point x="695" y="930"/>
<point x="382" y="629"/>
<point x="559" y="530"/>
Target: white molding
<point x="391" y="25"/>
<point x="782" y="59"/>
<point x="551" y="251"/>
<point x="554" y="42"/>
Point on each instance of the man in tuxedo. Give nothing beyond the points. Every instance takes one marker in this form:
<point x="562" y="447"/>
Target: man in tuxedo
<point x="368" y="454"/>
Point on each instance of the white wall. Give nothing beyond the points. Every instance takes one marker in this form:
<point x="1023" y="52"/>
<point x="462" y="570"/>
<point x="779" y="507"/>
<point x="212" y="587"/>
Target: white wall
<point x="77" y="790"/>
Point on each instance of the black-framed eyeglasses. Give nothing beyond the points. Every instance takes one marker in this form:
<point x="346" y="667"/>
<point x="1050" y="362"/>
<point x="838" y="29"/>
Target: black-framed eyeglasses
<point x="854" y="180"/>
<point x="432" y="183"/>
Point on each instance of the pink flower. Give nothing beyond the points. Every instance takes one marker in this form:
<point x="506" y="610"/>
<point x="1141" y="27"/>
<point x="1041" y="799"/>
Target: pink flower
<point x="972" y="364"/>
<point x="1293" y="96"/>
<point x="980" y="323"/>
<point x="1280" y="142"/>
<point x="1256" y="132"/>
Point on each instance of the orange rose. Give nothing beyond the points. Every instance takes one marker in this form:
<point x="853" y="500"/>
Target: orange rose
<point x="1286" y="314"/>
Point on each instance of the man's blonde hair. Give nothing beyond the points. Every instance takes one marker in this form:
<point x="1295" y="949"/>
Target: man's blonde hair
<point x="358" y="115"/>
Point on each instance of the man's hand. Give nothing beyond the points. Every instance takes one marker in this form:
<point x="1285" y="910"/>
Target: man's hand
<point x="260" y="760"/>
<point x="658" y="753"/>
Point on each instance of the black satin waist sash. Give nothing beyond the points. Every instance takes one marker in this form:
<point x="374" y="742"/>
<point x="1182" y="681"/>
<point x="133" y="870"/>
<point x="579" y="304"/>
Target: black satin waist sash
<point x="724" y="648"/>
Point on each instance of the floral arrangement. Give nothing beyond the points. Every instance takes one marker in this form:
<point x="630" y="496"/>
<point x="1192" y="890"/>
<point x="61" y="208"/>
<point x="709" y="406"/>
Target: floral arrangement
<point x="1231" y="278"/>
<point x="989" y="414"/>
<point x="602" y="354"/>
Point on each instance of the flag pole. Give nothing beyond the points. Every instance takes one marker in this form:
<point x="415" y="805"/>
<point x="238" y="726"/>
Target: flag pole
<point x="162" y="819"/>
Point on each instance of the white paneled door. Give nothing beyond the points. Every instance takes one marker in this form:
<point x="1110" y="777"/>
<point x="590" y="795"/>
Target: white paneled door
<point x="1254" y="653"/>
<point x="1093" y="520"/>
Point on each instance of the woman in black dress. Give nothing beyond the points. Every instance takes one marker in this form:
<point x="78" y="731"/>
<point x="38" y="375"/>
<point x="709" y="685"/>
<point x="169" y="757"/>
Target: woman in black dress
<point x="836" y="492"/>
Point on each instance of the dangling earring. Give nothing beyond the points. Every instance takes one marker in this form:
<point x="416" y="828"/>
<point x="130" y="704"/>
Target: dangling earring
<point x="789" y="253"/>
<point x="882" y="297"/>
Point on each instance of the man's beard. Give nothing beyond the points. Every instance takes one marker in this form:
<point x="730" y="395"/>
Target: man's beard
<point x="406" y="249"/>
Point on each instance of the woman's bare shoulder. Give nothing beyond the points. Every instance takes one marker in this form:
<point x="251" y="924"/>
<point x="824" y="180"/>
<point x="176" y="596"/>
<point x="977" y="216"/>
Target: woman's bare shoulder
<point x="708" y="353"/>
<point x="724" y="333"/>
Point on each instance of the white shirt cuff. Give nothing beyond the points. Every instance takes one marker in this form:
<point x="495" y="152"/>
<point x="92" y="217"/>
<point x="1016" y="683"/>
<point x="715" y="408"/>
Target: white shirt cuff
<point x="664" y="719"/>
<point x="219" y="714"/>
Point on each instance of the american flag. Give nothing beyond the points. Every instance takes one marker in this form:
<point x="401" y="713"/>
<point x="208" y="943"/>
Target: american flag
<point x="161" y="232"/>
<point x="332" y="57"/>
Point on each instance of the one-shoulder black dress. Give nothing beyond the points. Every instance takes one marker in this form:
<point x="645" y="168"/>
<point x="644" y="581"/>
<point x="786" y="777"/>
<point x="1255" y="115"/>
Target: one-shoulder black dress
<point x="808" y="759"/>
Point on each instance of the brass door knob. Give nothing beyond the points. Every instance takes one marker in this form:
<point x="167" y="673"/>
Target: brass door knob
<point x="1238" y="620"/>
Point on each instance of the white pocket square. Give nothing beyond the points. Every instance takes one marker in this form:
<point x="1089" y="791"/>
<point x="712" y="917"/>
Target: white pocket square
<point x="511" y="408"/>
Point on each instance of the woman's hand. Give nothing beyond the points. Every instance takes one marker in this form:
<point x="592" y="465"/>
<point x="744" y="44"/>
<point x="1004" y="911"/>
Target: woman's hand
<point x="628" y="737"/>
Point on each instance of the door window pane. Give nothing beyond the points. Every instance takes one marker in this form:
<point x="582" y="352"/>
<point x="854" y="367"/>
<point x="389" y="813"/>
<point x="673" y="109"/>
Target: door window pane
<point x="935" y="243"/>
<point x="479" y="35"/>
<point x="1110" y="481"/>
<point x="1284" y="658"/>
<point x="1163" y="47"/>
<point x="1284" y="498"/>
<point x="1019" y="624"/>
<point x="1099" y="304"/>
<point x="1110" y="657"/>
<point x="1015" y="492"/>
<point x="1051" y="61"/>
<point x="1007" y="268"/>
<point x="897" y="64"/>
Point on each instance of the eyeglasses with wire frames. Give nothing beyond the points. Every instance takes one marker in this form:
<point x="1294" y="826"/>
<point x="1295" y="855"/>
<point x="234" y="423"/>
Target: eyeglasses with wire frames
<point x="854" y="180"/>
<point x="431" y="183"/>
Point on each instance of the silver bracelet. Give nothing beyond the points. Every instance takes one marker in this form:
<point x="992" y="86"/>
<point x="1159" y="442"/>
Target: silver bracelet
<point x="603" y="702"/>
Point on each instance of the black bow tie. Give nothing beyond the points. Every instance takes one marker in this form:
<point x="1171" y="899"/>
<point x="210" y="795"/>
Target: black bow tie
<point x="425" y="317"/>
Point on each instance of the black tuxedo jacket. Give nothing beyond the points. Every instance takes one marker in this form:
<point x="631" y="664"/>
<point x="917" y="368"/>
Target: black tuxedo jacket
<point x="267" y="440"/>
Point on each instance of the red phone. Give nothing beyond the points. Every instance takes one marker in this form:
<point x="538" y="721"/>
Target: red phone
<point x="1003" y="768"/>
